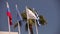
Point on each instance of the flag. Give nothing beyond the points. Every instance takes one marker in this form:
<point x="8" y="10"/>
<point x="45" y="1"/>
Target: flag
<point x="30" y="14"/>
<point x="16" y="24"/>
<point x="24" y="16"/>
<point x="42" y="20"/>
<point x="9" y="14"/>
<point x="19" y="18"/>
<point x="19" y="21"/>
<point x="37" y="20"/>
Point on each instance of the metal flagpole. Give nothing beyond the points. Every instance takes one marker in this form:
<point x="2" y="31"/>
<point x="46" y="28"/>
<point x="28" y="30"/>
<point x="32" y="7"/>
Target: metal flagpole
<point x="28" y="27"/>
<point x="36" y="27"/>
<point x="17" y="20"/>
<point x="36" y="24"/>
<point x="18" y="28"/>
<point x="27" y="22"/>
<point x="8" y="25"/>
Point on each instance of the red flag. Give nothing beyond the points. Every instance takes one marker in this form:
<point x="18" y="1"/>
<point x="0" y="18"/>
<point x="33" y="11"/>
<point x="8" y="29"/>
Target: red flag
<point x="10" y="17"/>
<point x="9" y="14"/>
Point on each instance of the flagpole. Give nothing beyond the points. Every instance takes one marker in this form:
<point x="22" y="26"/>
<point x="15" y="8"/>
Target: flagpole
<point x="36" y="27"/>
<point x="18" y="21"/>
<point x="18" y="28"/>
<point x="28" y="27"/>
<point x="8" y="25"/>
<point x="27" y="22"/>
<point x="36" y="24"/>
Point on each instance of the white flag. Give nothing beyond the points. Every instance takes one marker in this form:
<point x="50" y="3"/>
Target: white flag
<point x="30" y="14"/>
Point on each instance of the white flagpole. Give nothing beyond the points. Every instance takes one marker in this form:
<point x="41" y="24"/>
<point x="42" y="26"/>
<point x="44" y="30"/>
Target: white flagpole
<point x="8" y="25"/>
<point x="36" y="24"/>
<point x="27" y="22"/>
<point x="18" y="28"/>
<point x="36" y="27"/>
<point x="28" y="27"/>
<point x="18" y="21"/>
<point x="8" y="18"/>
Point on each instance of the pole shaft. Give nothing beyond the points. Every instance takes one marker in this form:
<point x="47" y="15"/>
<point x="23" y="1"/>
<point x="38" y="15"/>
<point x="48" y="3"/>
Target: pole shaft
<point x="19" y="28"/>
<point x="28" y="27"/>
<point x="8" y="25"/>
<point x="36" y="27"/>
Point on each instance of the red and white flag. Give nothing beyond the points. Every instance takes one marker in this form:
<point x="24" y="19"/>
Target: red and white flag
<point x="9" y="14"/>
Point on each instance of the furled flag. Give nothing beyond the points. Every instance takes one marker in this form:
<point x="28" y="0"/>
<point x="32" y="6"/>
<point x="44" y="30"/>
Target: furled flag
<point x="9" y="14"/>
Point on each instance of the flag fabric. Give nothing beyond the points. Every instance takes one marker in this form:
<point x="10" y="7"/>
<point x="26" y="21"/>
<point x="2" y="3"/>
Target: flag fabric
<point x="42" y="20"/>
<point x="24" y="16"/>
<point x="19" y="21"/>
<point x="19" y="18"/>
<point x="9" y="14"/>
<point x="37" y="17"/>
<point x="16" y="24"/>
<point x="30" y="14"/>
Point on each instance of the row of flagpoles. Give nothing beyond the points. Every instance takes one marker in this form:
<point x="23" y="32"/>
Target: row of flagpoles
<point x="30" y="15"/>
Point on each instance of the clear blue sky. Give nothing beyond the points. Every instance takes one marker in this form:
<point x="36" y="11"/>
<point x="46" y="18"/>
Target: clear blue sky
<point x="50" y="9"/>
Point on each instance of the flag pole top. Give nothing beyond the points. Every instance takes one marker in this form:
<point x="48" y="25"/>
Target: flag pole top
<point x="7" y="4"/>
<point x="16" y="5"/>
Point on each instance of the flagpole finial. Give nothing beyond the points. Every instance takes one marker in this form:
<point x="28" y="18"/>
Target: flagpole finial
<point x="7" y="4"/>
<point x="16" y="5"/>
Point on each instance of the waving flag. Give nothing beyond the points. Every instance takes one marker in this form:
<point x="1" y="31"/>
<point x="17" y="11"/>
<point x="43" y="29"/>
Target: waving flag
<point x="19" y="18"/>
<point x="37" y="17"/>
<point x="9" y="14"/>
<point x="42" y="20"/>
<point x="30" y="14"/>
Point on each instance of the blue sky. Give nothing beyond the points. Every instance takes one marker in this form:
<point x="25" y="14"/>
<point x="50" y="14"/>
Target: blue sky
<point x="48" y="8"/>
